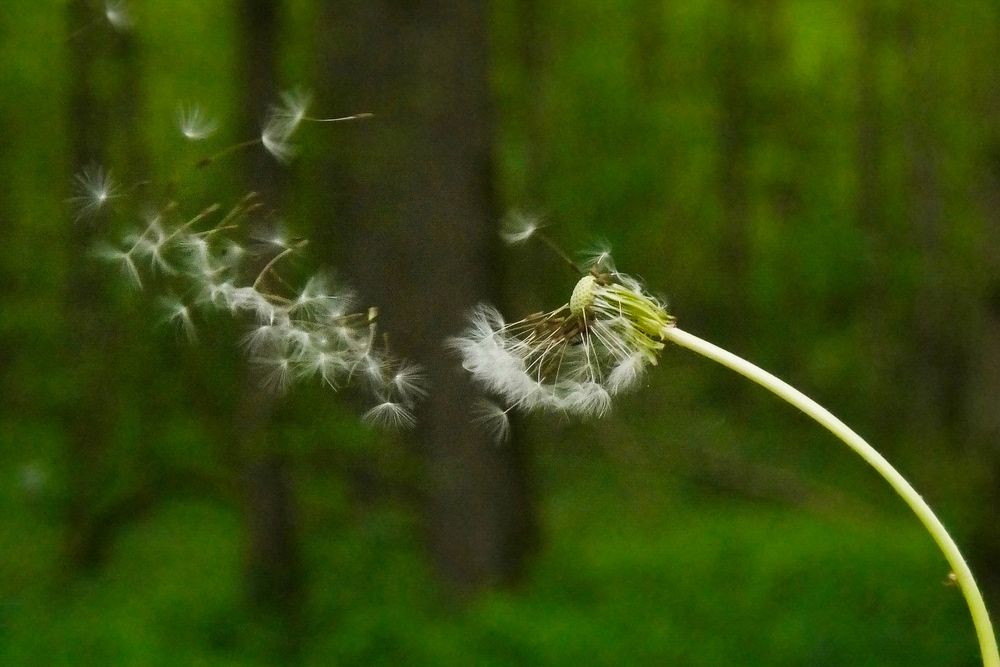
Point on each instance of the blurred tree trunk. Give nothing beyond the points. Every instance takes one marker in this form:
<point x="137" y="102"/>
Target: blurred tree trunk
<point x="869" y="137"/>
<point x="984" y="391"/>
<point x="870" y="209"/>
<point x="92" y="406"/>
<point x="939" y="350"/>
<point x="534" y="50"/>
<point x="734" y="148"/>
<point x="274" y="567"/>
<point x="421" y="243"/>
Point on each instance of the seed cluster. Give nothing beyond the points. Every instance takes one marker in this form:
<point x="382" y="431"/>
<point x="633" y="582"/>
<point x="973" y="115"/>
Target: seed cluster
<point x="237" y="261"/>
<point x="572" y="359"/>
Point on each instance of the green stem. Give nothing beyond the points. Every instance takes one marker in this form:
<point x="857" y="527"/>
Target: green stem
<point x="963" y="576"/>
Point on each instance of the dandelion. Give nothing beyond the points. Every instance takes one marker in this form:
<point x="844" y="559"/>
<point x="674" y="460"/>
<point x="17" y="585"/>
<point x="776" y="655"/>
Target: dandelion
<point x="194" y="124"/>
<point x="95" y="189"/>
<point x="575" y="358"/>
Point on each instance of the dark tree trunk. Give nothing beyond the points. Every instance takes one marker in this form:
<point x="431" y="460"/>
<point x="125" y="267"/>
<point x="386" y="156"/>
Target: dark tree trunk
<point x="421" y="238"/>
<point x="983" y="401"/>
<point x="91" y="409"/>
<point x="941" y="367"/>
<point x="534" y="50"/>
<point x="274" y="567"/>
<point x="734" y="147"/>
<point x="869" y="137"/>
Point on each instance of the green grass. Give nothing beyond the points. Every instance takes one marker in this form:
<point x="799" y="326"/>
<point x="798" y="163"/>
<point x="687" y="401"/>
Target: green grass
<point x="700" y="582"/>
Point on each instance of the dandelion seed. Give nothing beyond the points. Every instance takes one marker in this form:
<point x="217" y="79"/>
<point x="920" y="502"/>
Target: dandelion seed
<point x="179" y="315"/>
<point x="390" y="415"/>
<point x="121" y="257"/>
<point x="371" y="366"/>
<point x="599" y="257"/>
<point x="409" y="382"/>
<point x="282" y="122"/>
<point x="518" y="227"/>
<point x="117" y="14"/>
<point x="94" y="190"/>
<point x="626" y="373"/>
<point x="275" y="139"/>
<point x="277" y="373"/>
<point x="194" y="124"/>
<point x="150" y="244"/>
<point x="34" y="478"/>
<point x="313" y="300"/>
<point x="264" y="339"/>
<point x="292" y="110"/>
<point x="270" y="238"/>
<point x="495" y="419"/>
<point x="327" y="365"/>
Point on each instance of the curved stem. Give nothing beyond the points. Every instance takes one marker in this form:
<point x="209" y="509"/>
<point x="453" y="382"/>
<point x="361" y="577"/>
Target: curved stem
<point x="963" y="576"/>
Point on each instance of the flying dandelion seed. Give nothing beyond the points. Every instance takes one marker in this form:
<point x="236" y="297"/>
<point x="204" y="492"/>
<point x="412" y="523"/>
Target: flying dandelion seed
<point x="389" y="414"/>
<point x="118" y="15"/>
<point x="95" y="189"/>
<point x="178" y="314"/>
<point x="518" y="227"/>
<point x="194" y="124"/>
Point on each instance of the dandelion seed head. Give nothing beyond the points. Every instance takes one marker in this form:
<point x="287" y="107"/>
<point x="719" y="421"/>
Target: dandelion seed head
<point x="572" y="359"/>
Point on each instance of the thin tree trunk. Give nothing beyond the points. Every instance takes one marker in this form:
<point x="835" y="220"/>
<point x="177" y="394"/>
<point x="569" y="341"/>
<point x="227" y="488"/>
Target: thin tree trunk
<point x="983" y="412"/>
<point x="274" y="568"/>
<point x="534" y="55"/>
<point x="425" y="175"/>
<point x="734" y="147"/>
<point x="940" y="358"/>
<point x="90" y="413"/>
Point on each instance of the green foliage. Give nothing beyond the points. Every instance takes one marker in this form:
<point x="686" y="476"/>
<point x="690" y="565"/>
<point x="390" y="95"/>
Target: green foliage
<point x="840" y="230"/>
<point x="711" y="583"/>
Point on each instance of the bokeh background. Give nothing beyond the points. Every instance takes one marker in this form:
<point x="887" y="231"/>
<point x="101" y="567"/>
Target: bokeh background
<point x="812" y="184"/>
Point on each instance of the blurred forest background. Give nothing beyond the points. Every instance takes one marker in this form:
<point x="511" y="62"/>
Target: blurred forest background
<point x="813" y="184"/>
